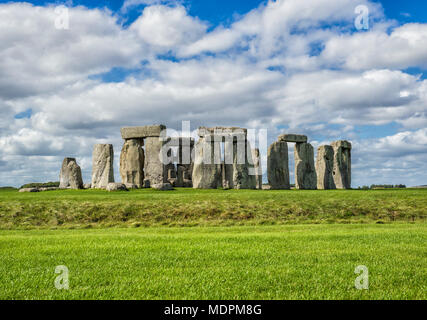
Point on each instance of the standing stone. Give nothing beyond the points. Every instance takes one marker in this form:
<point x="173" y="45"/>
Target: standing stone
<point x="132" y="163"/>
<point x="70" y="175"/>
<point x="228" y="163"/>
<point x="155" y="170"/>
<point x="243" y="178"/>
<point x="237" y="166"/>
<point x="324" y="168"/>
<point x="207" y="164"/>
<point x="102" y="166"/>
<point x="278" y="165"/>
<point x="342" y="164"/>
<point x="305" y="172"/>
<point x="184" y="168"/>
<point x="257" y="168"/>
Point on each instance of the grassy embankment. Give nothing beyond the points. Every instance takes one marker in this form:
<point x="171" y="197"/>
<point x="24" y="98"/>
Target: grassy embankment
<point x="188" y="207"/>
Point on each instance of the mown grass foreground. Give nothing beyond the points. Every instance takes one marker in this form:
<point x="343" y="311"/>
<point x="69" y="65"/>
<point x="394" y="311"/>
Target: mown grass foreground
<point x="188" y="207"/>
<point x="249" y="262"/>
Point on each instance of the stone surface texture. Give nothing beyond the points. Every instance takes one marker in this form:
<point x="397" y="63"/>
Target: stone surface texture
<point x="305" y="171"/>
<point x="155" y="170"/>
<point x="257" y="168"/>
<point x="70" y="175"/>
<point x="102" y="165"/>
<point x="132" y="162"/>
<point x="207" y="166"/>
<point x="142" y="132"/>
<point x="290" y="137"/>
<point x="278" y="166"/>
<point x="342" y="164"/>
<point x="324" y="168"/>
<point x="116" y="187"/>
<point x="162" y="187"/>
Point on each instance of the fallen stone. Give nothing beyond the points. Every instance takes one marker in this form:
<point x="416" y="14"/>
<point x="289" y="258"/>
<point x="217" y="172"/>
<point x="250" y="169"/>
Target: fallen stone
<point x="278" y="166"/>
<point x="324" y="168"/>
<point x="70" y="175"/>
<point x="102" y="165"/>
<point x="289" y="137"/>
<point x="305" y="171"/>
<point x="132" y="163"/>
<point x="87" y="186"/>
<point x="162" y="186"/>
<point x="116" y="187"/>
<point x="48" y="189"/>
<point x="143" y="132"/>
<point x="28" y="190"/>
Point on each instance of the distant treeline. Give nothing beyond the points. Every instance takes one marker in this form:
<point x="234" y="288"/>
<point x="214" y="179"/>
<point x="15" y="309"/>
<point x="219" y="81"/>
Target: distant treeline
<point x="383" y="186"/>
<point x="41" y="185"/>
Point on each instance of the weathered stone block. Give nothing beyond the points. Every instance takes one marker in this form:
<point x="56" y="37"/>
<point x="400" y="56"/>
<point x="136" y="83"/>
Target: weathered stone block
<point x="207" y="165"/>
<point x="278" y="165"/>
<point x="257" y="168"/>
<point x="221" y="131"/>
<point x="155" y="170"/>
<point x="29" y="190"/>
<point x="132" y="163"/>
<point x="162" y="187"/>
<point x="143" y="132"/>
<point x="116" y="187"/>
<point x="324" y="168"/>
<point x="305" y="172"/>
<point x="102" y="165"/>
<point x="289" y="137"/>
<point x="70" y="175"/>
<point x="342" y="164"/>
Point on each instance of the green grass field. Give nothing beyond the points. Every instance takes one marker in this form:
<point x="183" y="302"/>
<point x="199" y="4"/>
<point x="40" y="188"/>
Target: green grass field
<point x="258" y="262"/>
<point x="214" y="244"/>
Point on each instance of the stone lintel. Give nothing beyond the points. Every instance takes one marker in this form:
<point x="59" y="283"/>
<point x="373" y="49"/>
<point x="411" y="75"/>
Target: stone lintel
<point x="142" y="132"/>
<point x="290" y="137"/>
<point x="221" y="131"/>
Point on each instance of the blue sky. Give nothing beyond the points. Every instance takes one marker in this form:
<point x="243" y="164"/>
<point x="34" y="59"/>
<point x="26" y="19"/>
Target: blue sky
<point x="287" y="66"/>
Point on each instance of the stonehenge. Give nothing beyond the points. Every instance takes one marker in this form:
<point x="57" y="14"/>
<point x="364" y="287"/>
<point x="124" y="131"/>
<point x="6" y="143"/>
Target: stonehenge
<point x="222" y="157"/>
<point x="342" y="164"/>
<point x="70" y="175"/>
<point x="232" y="170"/>
<point x="139" y="168"/>
<point x="102" y="166"/>
<point x="332" y="168"/>
<point x="153" y="166"/>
